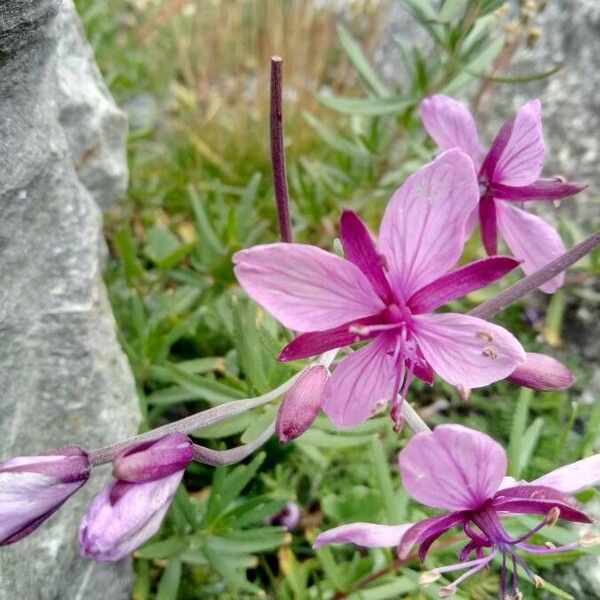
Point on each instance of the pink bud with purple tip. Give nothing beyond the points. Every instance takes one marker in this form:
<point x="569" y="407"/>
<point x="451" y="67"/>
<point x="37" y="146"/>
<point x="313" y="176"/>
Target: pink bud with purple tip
<point x="130" y="509"/>
<point x="301" y="404"/>
<point x="32" y="488"/>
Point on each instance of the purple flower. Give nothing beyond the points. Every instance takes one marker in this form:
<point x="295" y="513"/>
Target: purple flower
<point x="463" y="472"/>
<point x="128" y="512"/>
<point x="33" y="487"/>
<point x="388" y="296"/>
<point x="288" y="517"/>
<point x="508" y="173"/>
<point x="301" y="404"/>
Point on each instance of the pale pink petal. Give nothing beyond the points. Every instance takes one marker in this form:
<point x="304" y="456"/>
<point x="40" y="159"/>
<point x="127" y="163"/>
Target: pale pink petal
<point x="465" y="350"/>
<point x="361" y="383"/>
<point x="531" y="240"/>
<point x="368" y="535"/>
<point x="451" y="125"/>
<point x="517" y="154"/>
<point x="452" y="467"/>
<point x="573" y="478"/>
<point x="423" y="230"/>
<point x="304" y="287"/>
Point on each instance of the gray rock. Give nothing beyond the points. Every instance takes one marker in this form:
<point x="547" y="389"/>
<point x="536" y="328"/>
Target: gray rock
<point x="63" y="377"/>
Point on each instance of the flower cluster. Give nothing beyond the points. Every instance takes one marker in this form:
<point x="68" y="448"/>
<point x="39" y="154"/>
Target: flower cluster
<point x="384" y="295"/>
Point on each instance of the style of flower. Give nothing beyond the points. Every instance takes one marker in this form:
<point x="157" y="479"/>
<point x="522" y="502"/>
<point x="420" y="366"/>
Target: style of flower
<point x="463" y="471"/>
<point x="388" y="296"/>
<point x="130" y="509"/>
<point x="509" y="173"/>
<point x="32" y="488"/>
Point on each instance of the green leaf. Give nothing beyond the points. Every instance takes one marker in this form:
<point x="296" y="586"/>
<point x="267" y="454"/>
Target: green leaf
<point x="208" y="239"/>
<point x="361" y="64"/>
<point x="247" y="541"/>
<point x="168" y="586"/>
<point x="125" y="245"/>
<point x="259" y="423"/>
<point x="335" y="140"/>
<point x="163" y="549"/>
<point x="518" y="78"/>
<point x="253" y="511"/>
<point x="381" y="470"/>
<point x="519" y="424"/>
<point x="393" y="589"/>
<point x="368" y="107"/>
<point x="164" y="248"/>
<point x="227" y="569"/>
<point x="450" y="9"/>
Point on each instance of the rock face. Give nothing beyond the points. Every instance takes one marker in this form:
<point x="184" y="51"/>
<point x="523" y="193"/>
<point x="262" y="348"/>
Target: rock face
<point x="63" y="377"/>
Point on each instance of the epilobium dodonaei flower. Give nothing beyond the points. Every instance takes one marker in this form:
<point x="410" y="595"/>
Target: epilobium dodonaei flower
<point x="33" y="487"/>
<point x="388" y="296"/>
<point x="301" y="405"/>
<point x="463" y="471"/>
<point x="129" y="511"/>
<point x="508" y="173"/>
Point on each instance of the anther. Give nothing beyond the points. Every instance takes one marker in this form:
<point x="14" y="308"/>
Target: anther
<point x="447" y="592"/>
<point x="358" y="330"/>
<point x="553" y="516"/>
<point x="428" y="577"/>
<point x="489" y="353"/>
<point x="550" y="545"/>
<point x="486" y="336"/>
<point x="590" y="539"/>
<point x="538" y="582"/>
<point x="517" y="595"/>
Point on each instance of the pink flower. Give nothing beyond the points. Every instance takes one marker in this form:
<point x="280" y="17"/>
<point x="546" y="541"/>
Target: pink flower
<point x="507" y="174"/>
<point x="462" y="471"/>
<point x="387" y="296"/>
<point x="128" y="511"/>
<point x="32" y="488"/>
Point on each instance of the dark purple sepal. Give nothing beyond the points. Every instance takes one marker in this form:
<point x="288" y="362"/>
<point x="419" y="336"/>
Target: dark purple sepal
<point x="488" y="225"/>
<point x="542" y="189"/>
<point x="360" y="250"/>
<point x="461" y="282"/>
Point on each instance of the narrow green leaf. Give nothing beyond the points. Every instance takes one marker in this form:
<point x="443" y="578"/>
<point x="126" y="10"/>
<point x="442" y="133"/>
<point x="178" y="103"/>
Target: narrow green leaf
<point x="335" y="140"/>
<point x="163" y="549"/>
<point x="168" y="586"/>
<point x="519" y="424"/>
<point x="450" y="9"/>
<point x="381" y="470"/>
<point x="368" y="107"/>
<point x="208" y="238"/>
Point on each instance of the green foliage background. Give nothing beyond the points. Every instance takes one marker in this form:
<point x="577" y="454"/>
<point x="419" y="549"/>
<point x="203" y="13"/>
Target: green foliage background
<point x="200" y="189"/>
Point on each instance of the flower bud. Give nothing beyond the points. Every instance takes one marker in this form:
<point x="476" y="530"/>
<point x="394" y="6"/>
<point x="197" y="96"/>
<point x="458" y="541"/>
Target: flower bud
<point x="154" y="459"/>
<point x="33" y="487"/>
<point x="126" y="513"/>
<point x="542" y="372"/>
<point x="288" y="516"/>
<point x="302" y="404"/>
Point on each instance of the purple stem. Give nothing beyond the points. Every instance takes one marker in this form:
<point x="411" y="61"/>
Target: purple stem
<point x="278" y="151"/>
<point x="533" y="281"/>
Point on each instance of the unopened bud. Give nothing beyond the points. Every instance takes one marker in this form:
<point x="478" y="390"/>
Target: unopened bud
<point x="542" y="372"/>
<point x="302" y="404"/>
<point x="447" y="592"/>
<point x="428" y="577"/>
<point x="553" y="516"/>
<point x="288" y="517"/>
<point x="589" y="540"/>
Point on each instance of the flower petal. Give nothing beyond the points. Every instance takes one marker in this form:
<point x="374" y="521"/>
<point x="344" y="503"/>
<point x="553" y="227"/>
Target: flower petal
<point x="489" y="225"/>
<point x="531" y="240"/>
<point x="361" y="383"/>
<point x="573" y="478"/>
<point x="461" y="282"/>
<point x="451" y="125"/>
<point x="360" y="250"/>
<point x="465" y="350"/>
<point x="424" y="530"/>
<point x="304" y="287"/>
<point x="542" y="189"/>
<point x="517" y="154"/>
<point x="423" y="230"/>
<point x="368" y="535"/>
<point x="452" y="468"/>
<point x="316" y="342"/>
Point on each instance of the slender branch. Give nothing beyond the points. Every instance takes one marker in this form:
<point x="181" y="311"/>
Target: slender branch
<point x="221" y="458"/>
<point x="533" y="281"/>
<point x="278" y="151"/>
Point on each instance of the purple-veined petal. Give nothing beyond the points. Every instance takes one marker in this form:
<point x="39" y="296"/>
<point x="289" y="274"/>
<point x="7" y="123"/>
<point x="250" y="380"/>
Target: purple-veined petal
<point x="124" y="515"/>
<point x="304" y="287"/>
<point x="517" y="154"/>
<point x="424" y="530"/>
<point x="301" y="405"/>
<point x="369" y="535"/>
<point x="154" y="459"/>
<point x="451" y="125"/>
<point x="465" y="350"/>
<point x="423" y="229"/>
<point x="316" y="342"/>
<point x="574" y="477"/>
<point x="531" y="240"/>
<point x="452" y="467"/>
<point x="542" y="189"/>
<point x="542" y="372"/>
<point x="461" y="282"/>
<point x="360" y="250"/>
<point x="361" y="383"/>
<point x="489" y="225"/>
